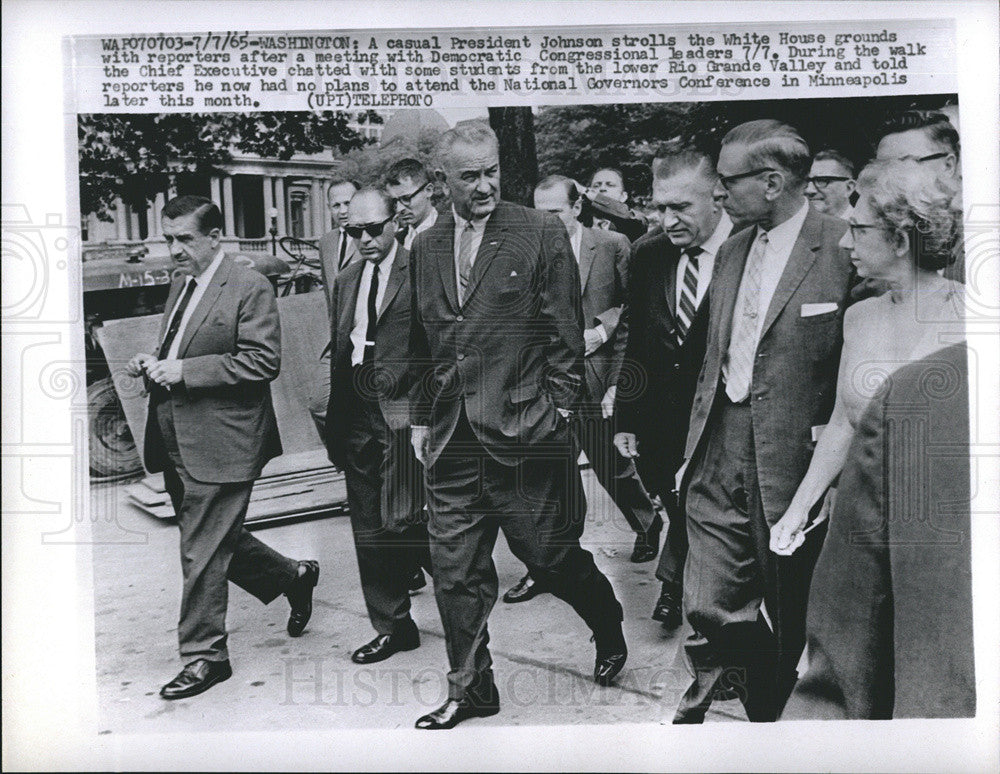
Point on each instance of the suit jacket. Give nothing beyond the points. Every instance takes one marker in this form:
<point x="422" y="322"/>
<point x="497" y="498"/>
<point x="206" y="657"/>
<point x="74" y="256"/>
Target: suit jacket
<point x="231" y="348"/>
<point x="391" y="357"/>
<point x="890" y="608"/>
<point x="657" y="388"/>
<point x="795" y="369"/>
<point x="513" y="351"/>
<point x="604" y="257"/>
<point x="329" y="256"/>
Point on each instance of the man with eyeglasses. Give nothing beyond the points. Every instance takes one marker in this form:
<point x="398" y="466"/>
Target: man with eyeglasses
<point x="765" y="390"/>
<point x="408" y="183"/>
<point x="367" y="434"/>
<point x="831" y="183"/>
<point x="667" y="314"/>
<point x="927" y="137"/>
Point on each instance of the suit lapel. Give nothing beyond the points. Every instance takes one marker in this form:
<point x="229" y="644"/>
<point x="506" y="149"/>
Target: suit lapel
<point x="588" y="249"/>
<point x="208" y="300"/>
<point x="168" y="308"/>
<point x="395" y="282"/>
<point x="727" y="286"/>
<point x="442" y="247"/>
<point x="493" y="237"/>
<point x="801" y="259"/>
<point x="669" y="264"/>
<point x="350" y="287"/>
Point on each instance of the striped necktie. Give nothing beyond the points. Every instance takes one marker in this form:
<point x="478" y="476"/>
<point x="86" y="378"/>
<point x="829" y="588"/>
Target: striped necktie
<point x="688" y="303"/>
<point x="465" y="260"/>
<point x="743" y="345"/>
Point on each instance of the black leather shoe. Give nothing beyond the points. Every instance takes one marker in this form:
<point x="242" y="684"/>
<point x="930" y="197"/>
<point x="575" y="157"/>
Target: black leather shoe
<point x="197" y="677"/>
<point x="454" y="711"/>
<point x="416" y="582"/>
<point x="668" y="608"/>
<point x="647" y="544"/>
<point x="386" y="645"/>
<point x="525" y="589"/>
<point x="611" y="653"/>
<point x="300" y="597"/>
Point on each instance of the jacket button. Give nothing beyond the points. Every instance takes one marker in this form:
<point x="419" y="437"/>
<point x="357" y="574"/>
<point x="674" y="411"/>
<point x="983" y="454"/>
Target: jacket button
<point x="460" y="318"/>
<point x="461" y="356"/>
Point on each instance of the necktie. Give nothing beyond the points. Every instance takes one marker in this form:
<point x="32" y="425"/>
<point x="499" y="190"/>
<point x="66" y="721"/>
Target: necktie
<point x="369" y="354"/>
<point x="688" y="304"/>
<point x="743" y="344"/>
<point x="464" y="260"/>
<point x="175" y="321"/>
<point x="343" y="250"/>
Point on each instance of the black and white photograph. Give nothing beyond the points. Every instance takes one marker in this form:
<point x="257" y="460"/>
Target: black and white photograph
<point x="518" y="382"/>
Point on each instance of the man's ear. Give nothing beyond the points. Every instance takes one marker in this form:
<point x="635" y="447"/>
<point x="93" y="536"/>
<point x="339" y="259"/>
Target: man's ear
<point x="850" y="185"/>
<point x="951" y="164"/>
<point x="215" y="235"/>
<point x="776" y="184"/>
<point x="576" y="207"/>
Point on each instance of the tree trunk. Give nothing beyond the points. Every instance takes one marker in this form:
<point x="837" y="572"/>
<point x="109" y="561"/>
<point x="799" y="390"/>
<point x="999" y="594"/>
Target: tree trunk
<point x="515" y="127"/>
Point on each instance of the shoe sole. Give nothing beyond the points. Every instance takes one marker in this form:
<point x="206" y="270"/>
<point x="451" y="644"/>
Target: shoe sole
<point x="201" y="689"/>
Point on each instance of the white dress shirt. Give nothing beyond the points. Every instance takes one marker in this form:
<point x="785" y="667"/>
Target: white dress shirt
<point x="360" y="329"/>
<point x="780" y="241"/>
<point x="422" y="226"/>
<point x="706" y="261"/>
<point x="203" y="280"/>
<point x="576" y="241"/>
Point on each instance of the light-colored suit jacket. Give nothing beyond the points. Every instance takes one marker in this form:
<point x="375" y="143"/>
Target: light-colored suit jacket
<point x="231" y="351"/>
<point x="795" y="370"/>
<point x="604" y="258"/>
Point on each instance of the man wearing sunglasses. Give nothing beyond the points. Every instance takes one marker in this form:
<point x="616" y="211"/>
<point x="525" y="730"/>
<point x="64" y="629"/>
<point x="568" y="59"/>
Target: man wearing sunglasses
<point x="831" y="183"/>
<point x="408" y="183"/>
<point x="367" y="433"/>
<point x="497" y="349"/>
<point x="765" y="390"/>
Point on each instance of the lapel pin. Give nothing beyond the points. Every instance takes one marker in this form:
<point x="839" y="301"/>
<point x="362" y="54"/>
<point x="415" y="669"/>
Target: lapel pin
<point x="513" y="274"/>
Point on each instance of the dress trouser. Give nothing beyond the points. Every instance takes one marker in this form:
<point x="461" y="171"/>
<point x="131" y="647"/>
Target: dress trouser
<point x="378" y="463"/>
<point x="730" y="571"/>
<point x="670" y="568"/>
<point x="616" y="474"/>
<point x="539" y="504"/>
<point x="214" y="548"/>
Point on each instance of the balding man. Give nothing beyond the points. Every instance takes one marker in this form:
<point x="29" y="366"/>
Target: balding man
<point x="764" y="393"/>
<point x="831" y="183"/>
<point x="497" y="347"/>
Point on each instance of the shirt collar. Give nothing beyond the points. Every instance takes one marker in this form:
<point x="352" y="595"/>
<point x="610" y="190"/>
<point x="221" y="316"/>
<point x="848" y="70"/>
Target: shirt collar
<point x="720" y="235"/>
<point x="782" y="237"/>
<point x="427" y="222"/>
<point x="477" y="224"/>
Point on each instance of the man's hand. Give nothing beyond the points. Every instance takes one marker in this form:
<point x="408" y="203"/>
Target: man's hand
<point x="608" y="402"/>
<point x="418" y="440"/>
<point x="166" y="373"/>
<point x="138" y="364"/>
<point x="627" y="445"/>
<point x="591" y="341"/>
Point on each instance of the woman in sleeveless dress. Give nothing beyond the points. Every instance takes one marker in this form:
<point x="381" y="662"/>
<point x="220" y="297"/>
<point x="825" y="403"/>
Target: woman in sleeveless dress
<point x="903" y="232"/>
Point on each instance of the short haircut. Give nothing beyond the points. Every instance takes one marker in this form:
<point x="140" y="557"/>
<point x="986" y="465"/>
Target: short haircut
<point x="342" y="181"/>
<point x="684" y="159"/>
<point x="387" y="201"/>
<point x="407" y="169"/>
<point x="621" y="175"/>
<point x="208" y="215"/>
<point x="829" y="154"/>
<point x="468" y="133"/>
<point x="557" y="181"/>
<point x="936" y="126"/>
<point x="771" y="142"/>
<point x="906" y="196"/>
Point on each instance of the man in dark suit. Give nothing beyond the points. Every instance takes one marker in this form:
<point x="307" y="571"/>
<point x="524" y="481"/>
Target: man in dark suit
<point x="890" y="608"/>
<point x="764" y="392"/>
<point x="211" y="428"/>
<point x="667" y="313"/>
<point x="497" y="347"/>
<point x="337" y="251"/>
<point x="602" y="258"/>
<point x="368" y="433"/>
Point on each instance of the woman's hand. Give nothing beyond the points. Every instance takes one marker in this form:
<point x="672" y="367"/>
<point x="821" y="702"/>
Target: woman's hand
<point x="787" y="534"/>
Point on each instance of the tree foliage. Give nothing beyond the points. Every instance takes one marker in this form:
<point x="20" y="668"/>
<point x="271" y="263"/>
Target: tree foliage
<point x="132" y="156"/>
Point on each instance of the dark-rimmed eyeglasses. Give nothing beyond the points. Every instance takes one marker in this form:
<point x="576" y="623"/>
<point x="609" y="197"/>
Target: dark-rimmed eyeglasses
<point x="727" y="181"/>
<point x="822" y="181"/>
<point x="860" y="228"/>
<point x="922" y="159"/>
<point x="407" y="199"/>
<point x="372" y="229"/>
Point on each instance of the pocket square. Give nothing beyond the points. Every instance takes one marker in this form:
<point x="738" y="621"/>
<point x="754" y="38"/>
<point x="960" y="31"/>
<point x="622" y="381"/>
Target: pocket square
<point x="811" y="310"/>
<point x="513" y="274"/>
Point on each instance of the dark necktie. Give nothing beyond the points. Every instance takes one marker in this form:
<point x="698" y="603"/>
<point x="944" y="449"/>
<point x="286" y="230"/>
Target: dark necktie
<point x="688" y="304"/>
<point x="175" y="321"/>
<point x="402" y="234"/>
<point x="369" y="354"/>
<point x="465" y="260"/>
<point x="343" y="250"/>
